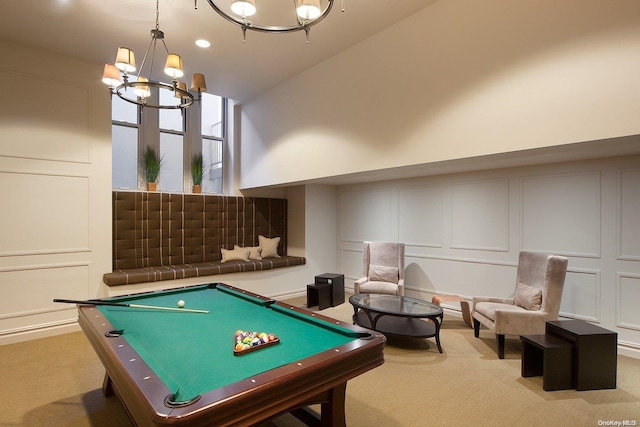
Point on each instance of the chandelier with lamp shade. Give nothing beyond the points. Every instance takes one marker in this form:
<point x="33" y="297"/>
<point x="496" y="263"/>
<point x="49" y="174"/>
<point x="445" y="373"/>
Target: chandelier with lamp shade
<point x="136" y="88"/>
<point x="307" y="14"/>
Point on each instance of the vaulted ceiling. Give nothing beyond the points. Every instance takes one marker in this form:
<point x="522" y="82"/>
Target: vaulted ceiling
<point x="93" y="30"/>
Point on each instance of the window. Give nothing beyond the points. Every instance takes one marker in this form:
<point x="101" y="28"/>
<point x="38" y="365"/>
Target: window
<point x="172" y="139"/>
<point x="175" y="135"/>
<point x="213" y="134"/>
<point x="125" y="131"/>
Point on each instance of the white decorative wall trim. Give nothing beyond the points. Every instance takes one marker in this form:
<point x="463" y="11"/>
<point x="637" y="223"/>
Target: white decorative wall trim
<point x="58" y="134"/>
<point x="578" y="305"/>
<point x="46" y="252"/>
<point x="480" y="215"/>
<point x="483" y="261"/>
<point x="420" y="216"/>
<point x="627" y="297"/>
<point x="50" y="213"/>
<point x="357" y="222"/>
<point x="76" y="284"/>
<point x="596" y="208"/>
<point x="628" y="215"/>
<point x="561" y="213"/>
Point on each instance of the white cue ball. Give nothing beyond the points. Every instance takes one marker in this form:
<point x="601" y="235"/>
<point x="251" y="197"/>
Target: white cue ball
<point x="180" y="303"/>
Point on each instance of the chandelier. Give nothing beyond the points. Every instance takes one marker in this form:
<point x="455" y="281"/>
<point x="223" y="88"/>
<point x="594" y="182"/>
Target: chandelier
<point x="137" y="90"/>
<point x="238" y="12"/>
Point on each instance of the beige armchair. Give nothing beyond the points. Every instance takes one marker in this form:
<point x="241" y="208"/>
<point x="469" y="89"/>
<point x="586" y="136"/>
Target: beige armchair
<point x="539" y="284"/>
<point x="383" y="267"/>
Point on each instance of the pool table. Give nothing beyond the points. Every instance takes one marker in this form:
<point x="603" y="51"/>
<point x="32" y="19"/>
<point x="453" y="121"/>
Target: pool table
<point x="179" y="368"/>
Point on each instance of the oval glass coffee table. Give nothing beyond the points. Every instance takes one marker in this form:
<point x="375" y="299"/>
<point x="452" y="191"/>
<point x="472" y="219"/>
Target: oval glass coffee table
<point x="397" y="315"/>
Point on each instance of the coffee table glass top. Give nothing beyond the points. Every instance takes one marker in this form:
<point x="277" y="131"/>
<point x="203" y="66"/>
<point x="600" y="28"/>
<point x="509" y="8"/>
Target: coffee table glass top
<point x="394" y="304"/>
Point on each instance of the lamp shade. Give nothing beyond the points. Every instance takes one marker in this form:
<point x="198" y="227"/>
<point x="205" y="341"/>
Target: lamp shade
<point x="182" y="86"/>
<point x="198" y="82"/>
<point x="142" y="90"/>
<point x="308" y="9"/>
<point x="173" y="67"/>
<point x="125" y="60"/>
<point x="111" y="75"/>
<point x="243" y="7"/>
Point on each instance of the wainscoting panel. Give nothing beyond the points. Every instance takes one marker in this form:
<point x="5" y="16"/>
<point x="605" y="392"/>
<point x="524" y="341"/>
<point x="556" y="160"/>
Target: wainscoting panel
<point x="46" y="119"/>
<point x="628" y="291"/>
<point x="55" y="182"/>
<point x="28" y="293"/>
<point x="420" y="216"/>
<point x="581" y="295"/>
<point x="629" y="214"/>
<point x="588" y="211"/>
<point x="49" y="214"/>
<point x="366" y="215"/>
<point x="480" y="215"/>
<point x="352" y="264"/>
<point x="561" y="213"/>
<point x="464" y="276"/>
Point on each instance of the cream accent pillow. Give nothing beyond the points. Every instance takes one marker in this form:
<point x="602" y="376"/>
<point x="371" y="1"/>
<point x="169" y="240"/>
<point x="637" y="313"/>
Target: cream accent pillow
<point x="254" y="251"/>
<point x="269" y="247"/>
<point x="240" y="254"/>
<point x="381" y="273"/>
<point x="528" y="297"/>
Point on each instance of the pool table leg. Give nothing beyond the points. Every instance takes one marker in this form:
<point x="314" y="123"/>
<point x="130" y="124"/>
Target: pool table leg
<point x="333" y="411"/>
<point x="107" y="386"/>
<point x="332" y="405"/>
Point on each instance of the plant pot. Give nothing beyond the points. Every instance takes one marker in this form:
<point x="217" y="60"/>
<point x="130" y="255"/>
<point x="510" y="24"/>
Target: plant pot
<point x="197" y="188"/>
<point x="152" y="186"/>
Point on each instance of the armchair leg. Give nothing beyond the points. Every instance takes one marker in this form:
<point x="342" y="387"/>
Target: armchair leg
<point x="500" y="339"/>
<point x="476" y="327"/>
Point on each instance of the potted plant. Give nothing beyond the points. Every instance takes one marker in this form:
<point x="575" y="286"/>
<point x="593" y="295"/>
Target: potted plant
<point x="151" y="164"/>
<point x="197" y="170"/>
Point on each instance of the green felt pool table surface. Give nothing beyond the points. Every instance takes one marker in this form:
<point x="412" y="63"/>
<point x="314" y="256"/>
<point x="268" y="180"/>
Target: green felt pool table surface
<point x="193" y="352"/>
<point x="184" y="356"/>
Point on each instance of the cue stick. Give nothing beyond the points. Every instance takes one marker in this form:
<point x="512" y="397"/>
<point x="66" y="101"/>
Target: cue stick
<point x="118" y="304"/>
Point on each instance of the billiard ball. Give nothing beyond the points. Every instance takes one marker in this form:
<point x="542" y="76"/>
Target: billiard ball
<point x="180" y="303"/>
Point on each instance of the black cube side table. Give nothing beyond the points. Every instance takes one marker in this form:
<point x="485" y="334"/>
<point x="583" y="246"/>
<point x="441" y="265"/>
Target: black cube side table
<point x="337" y="286"/>
<point x="319" y="294"/>
<point x="550" y="357"/>
<point x="595" y="354"/>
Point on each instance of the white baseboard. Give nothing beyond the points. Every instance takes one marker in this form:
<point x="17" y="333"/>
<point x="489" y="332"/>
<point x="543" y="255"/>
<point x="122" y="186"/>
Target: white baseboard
<point x="41" y="332"/>
<point x="628" y="349"/>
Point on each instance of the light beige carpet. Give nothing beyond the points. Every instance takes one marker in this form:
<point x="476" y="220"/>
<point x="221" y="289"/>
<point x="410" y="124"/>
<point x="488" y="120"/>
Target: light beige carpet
<point x="57" y="382"/>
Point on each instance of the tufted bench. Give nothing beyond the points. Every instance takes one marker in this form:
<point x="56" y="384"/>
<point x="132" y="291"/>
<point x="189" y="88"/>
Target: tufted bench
<point x="166" y="236"/>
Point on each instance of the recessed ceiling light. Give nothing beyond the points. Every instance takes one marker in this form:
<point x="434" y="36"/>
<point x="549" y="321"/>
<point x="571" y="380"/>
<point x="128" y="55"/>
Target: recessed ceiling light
<point x="203" y="43"/>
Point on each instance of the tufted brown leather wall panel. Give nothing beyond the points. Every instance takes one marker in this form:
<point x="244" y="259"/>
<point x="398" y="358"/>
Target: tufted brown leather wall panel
<point x="163" y="236"/>
<point x="152" y="229"/>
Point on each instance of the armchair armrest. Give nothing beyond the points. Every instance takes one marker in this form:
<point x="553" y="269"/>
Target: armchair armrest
<point x="525" y="322"/>
<point x="357" y="283"/>
<point x="476" y="300"/>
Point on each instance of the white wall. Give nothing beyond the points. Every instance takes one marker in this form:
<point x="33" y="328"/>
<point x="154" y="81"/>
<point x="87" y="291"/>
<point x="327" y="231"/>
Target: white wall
<point x="463" y="234"/>
<point x="55" y="185"/>
<point x="459" y="79"/>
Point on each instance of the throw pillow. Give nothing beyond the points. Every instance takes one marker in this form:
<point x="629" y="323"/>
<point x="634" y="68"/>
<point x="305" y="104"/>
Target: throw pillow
<point x="254" y="251"/>
<point x="269" y="247"/>
<point x="528" y="297"/>
<point x="381" y="273"/>
<point x="240" y="254"/>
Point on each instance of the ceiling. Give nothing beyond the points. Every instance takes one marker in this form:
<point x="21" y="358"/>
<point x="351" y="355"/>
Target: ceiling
<point x="93" y="30"/>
